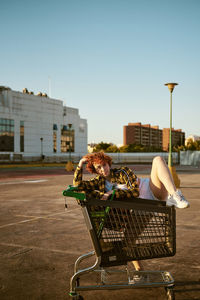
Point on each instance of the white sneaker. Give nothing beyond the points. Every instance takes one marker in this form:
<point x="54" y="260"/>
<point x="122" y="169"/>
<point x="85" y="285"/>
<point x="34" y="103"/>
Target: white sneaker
<point x="136" y="279"/>
<point x="139" y="279"/>
<point x="178" y="200"/>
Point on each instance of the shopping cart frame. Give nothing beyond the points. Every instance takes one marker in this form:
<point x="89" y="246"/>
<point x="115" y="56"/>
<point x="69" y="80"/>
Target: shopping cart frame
<point x="99" y="216"/>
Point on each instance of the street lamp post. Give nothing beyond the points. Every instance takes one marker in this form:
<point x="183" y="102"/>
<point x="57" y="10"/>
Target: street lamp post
<point x="171" y="86"/>
<point x="69" y="165"/>
<point x="42" y="155"/>
<point x="70" y="126"/>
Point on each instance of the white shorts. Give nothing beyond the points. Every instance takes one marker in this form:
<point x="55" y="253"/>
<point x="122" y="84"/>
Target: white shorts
<point x="145" y="190"/>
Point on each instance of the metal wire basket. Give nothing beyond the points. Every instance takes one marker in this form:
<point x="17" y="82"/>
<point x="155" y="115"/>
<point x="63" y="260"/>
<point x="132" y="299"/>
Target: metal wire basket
<point x="132" y="230"/>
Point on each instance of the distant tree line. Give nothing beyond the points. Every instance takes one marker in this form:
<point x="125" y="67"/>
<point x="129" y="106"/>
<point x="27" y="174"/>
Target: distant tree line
<point x="109" y="147"/>
<point x="112" y="148"/>
<point x="191" y="145"/>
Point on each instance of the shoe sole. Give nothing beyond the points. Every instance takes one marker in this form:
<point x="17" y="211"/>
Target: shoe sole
<point x="171" y="204"/>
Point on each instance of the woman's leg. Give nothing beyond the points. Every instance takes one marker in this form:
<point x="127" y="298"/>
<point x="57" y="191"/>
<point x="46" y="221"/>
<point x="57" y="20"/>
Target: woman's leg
<point x="138" y="265"/>
<point x="161" y="181"/>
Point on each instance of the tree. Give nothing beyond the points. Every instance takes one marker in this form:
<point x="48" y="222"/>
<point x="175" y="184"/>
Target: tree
<point x="112" y="149"/>
<point x="132" y="148"/>
<point x="101" y="146"/>
<point x="191" y="145"/>
<point x="123" y="149"/>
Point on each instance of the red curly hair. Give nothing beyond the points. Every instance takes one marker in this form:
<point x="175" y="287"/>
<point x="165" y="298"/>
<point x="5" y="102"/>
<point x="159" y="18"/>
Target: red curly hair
<point x="99" y="158"/>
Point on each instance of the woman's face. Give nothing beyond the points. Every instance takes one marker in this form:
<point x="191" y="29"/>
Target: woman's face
<point x="102" y="169"/>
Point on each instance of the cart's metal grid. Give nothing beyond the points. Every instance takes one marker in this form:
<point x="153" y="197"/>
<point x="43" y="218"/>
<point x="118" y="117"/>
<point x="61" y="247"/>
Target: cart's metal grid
<point x="123" y="231"/>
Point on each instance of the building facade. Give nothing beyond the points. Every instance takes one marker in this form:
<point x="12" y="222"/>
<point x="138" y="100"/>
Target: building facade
<point x="151" y="136"/>
<point x="35" y="126"/>
<point x="178" y="138"/>
<point x="147" y="135"/>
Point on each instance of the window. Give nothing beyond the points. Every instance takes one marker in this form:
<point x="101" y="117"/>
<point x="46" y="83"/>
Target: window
<point x="6" y="135"/>
<point x="67" y="139"/>
<point x="21" y="136"/>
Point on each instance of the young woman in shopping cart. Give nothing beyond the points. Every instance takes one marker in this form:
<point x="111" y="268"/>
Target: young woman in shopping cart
<point x="159" y="186"/>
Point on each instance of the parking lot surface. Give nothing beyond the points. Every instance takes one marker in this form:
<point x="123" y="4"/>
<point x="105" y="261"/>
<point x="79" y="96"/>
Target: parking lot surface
<point x="41" y="239"/>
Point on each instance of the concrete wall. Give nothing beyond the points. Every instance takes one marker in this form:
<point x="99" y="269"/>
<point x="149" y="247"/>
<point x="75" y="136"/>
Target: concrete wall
<point x="190" y="158"/>
<point x="141" y="157"/>
<point x="125" y="158"/>
<point x="129" y="158"/>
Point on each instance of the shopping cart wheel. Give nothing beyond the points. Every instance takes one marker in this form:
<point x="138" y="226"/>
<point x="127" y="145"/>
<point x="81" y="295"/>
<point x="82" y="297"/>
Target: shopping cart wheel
<point x="78" y="281"/>
<point x="170" y="294"/>
<point x="79" y="297"/>
<point x="76" y="296"/>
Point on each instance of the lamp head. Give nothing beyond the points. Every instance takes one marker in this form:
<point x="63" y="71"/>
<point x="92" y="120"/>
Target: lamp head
<point x="171" y="86"/>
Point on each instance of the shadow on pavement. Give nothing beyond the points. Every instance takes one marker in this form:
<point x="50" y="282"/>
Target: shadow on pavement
<point x="187" y="287"/>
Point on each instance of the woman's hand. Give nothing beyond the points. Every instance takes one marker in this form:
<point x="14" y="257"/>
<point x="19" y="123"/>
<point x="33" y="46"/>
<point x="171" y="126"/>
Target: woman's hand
<point x="106" y="195"/>
<point x="82" y="162"/>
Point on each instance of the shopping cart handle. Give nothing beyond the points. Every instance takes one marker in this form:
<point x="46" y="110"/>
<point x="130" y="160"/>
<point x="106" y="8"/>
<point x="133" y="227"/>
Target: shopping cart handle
<point x="71" y="191"/>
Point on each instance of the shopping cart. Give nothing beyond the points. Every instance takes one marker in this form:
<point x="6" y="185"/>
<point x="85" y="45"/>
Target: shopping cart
<point x="121" y="232"/>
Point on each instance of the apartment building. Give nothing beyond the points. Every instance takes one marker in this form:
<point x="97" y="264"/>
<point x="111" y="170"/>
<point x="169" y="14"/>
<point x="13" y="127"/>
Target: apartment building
<point x="143" y="134"/>
<point x="151" y="136"/>
<point x="178" y="138"/>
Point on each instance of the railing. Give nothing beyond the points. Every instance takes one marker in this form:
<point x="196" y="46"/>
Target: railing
<point x="190" y="158"/>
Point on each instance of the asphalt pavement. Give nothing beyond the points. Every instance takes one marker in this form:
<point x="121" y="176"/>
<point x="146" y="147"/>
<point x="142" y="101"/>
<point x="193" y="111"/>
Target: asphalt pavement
<point x="41" y="239"/>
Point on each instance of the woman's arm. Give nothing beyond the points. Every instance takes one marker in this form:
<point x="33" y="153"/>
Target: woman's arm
<point x="90" y="186"/>
<point x="78" y="174"/>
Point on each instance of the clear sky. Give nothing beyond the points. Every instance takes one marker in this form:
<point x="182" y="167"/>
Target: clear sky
<point x="108" y="58"/>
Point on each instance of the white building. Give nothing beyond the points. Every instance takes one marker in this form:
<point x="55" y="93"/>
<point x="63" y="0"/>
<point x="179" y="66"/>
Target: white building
<point x="36" y="126"/>
<point x="194" y="138"/>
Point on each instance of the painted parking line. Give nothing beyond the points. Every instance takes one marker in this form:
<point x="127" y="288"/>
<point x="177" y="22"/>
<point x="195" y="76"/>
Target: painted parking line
<point x="23" y="181"/>
<point x="49" y="218"/>
<point x="18" y="200"/>
<point x="35" y="181"/>
<point x="37" y="218"/>
<point x="38" y="248"/>
<point x="11" y="182"/>
<point x="28" y="216"/>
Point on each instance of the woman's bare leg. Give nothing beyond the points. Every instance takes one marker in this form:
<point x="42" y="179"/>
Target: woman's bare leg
<point x="161" y="184"/>
<point x="161" y="181"/>
<point x="138" y="265"/>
